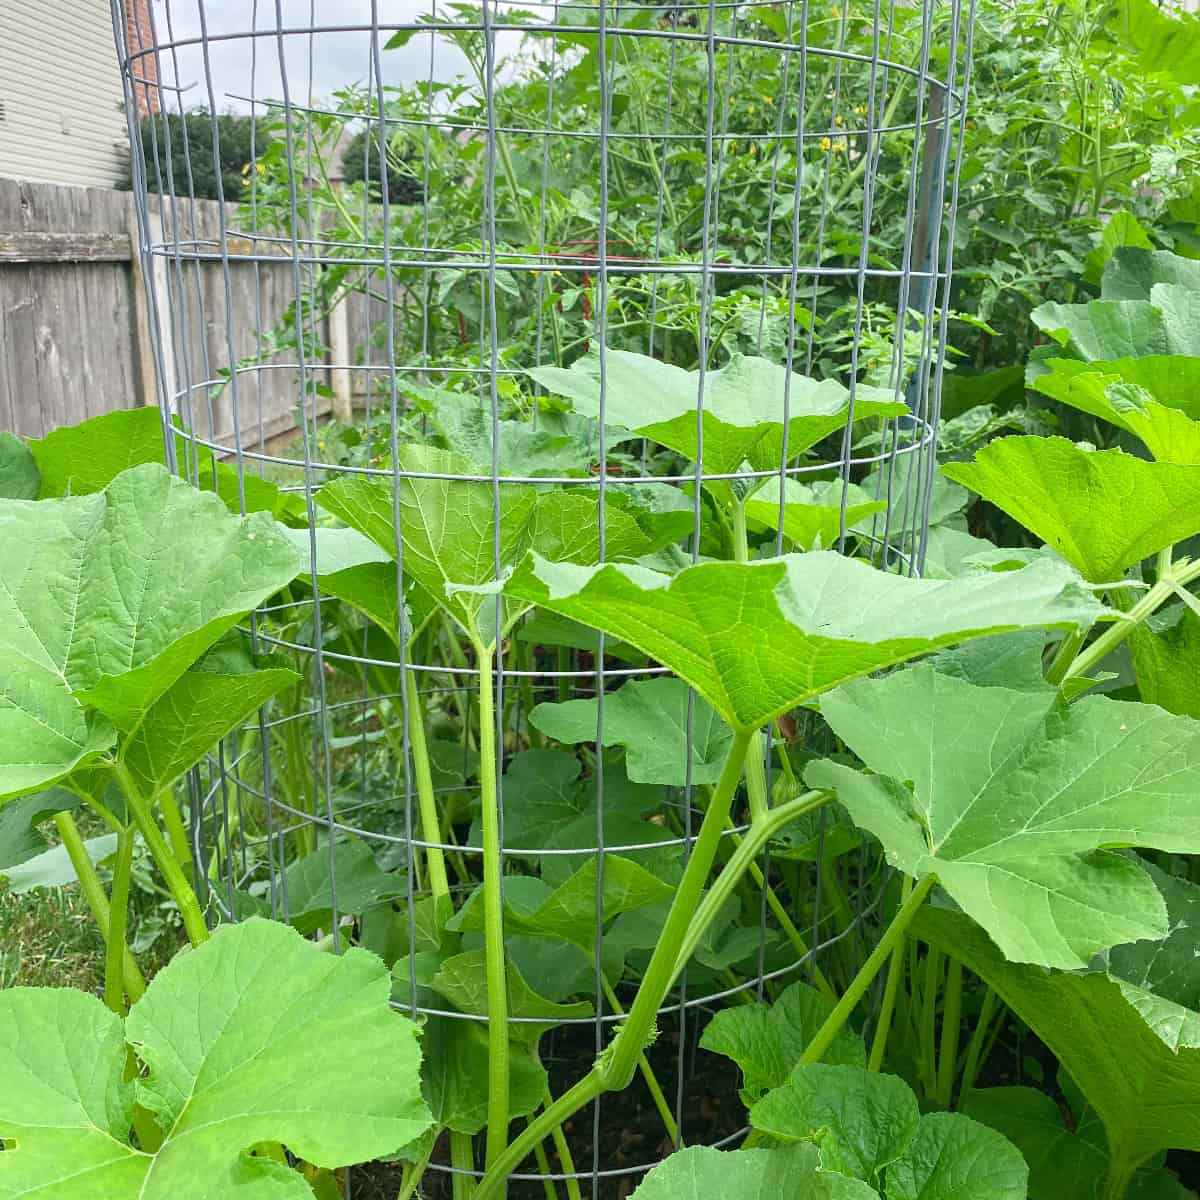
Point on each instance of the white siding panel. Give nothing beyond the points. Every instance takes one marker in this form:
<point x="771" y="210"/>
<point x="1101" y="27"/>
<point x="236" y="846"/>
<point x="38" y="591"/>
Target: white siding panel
<point x="60" y="87"/>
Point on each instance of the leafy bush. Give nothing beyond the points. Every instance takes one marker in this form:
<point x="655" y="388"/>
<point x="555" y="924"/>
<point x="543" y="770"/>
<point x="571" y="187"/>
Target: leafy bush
<point x="178" y="152"/>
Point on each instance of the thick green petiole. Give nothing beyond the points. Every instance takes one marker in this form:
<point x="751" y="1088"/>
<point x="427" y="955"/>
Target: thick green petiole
<point x="176" y="880"/>
<point x="97" y="901"/>
<point x="1177" y="576"/>
<point x="951" y="1020"/>
<point x="890" y="990"/>
<point x="493" y="914"/>
<point x="435" y="861"/>
<point x="975" y="1048"/>
<point x="740" y="861"/>
<point x="114" y="942"/>
<point x="648" y="1076"/>
<point x="619" y="1061"/>
<point x="823" y="1039"/>
<point x="462" y="1159"/>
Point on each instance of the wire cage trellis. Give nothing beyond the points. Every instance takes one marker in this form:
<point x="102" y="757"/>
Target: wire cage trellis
<point x="561" y="185"/>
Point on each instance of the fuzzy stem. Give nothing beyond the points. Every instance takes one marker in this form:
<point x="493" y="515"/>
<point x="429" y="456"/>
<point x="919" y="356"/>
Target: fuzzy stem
<point x="565" y="1158"/>
<point x="739" y="861"/>
<point x="549" y="1119"/>
<point x="176" y="880"/>
<point x="1068" y="648"/>
<point x="1180" y="574"/>
<point x="619" y="1061"/>
<point x="435" y="861"/>
<point x="933" y="974"/>
<point x="951" y="1022"/>
<point x="97" y="901"/>
<point x="647" y="1072"/>
<point x="173" y="820"/>
<point x="1118" y="1177"/>
<point x="493" y="910"/>
<point x="114" y="949"/>
<point x="895" y="973"/>
<point x="832" y="1025"/>
<point x="539" y="1154"/>
<point x="413" y="1174"/>
<point x="975" y="1046"/>
<point x="462" y="1159"/>
<point x="637" y="1031"/>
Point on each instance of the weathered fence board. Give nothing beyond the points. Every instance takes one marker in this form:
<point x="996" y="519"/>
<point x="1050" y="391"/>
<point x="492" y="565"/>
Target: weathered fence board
<point x="77" y="311"/>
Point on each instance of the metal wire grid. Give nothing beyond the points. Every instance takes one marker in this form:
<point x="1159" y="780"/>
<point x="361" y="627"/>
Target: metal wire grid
<point x="242" y="825"/>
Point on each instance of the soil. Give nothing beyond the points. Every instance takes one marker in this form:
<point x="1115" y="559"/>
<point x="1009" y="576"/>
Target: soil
<point x="630" y="1129"/>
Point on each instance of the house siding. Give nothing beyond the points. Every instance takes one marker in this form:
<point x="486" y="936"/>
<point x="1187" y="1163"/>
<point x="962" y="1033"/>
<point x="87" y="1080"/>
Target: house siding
<point x="61" y="89"/>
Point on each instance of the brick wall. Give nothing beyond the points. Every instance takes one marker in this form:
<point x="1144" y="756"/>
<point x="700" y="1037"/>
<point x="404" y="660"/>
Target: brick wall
<point x="139" y="36"/>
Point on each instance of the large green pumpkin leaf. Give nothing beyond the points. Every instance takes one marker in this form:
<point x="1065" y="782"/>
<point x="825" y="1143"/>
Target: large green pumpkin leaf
<point x="757" y="639"/>
<point x="208" y="701"/>
<point x="105" y="601"/>
<point x="548" y="806"/>
<point x="464" y="423"/>
<point x="812" y="513"/>
<point x="448" y="526"/>
<point x="766" y="1042"/>
<point x="649" y="717"/>
<point x="1101" y="330"/>
<point x="955" y="1158"/>
<point x="1061" y="1162"/>
<point x="20" y="839"/>
<point x="1166" y="660"/>
<point x="861" y="1120"/>
<point x="1102" y="510"/>
<point x="1145" y="1090"/>
<point x="868" y="1127"/>
<point x="1132" y="272"/>
<point x="53" y="867"/>
<point x="78" y="460"/>
<point x="254" y="1036"/>
<point x="462" y="979"/>
<point x="743" y="409"/>
<point x="1009" y="796"/>
<point x="700" y="1173"/>
<point x="1156" y="399"/>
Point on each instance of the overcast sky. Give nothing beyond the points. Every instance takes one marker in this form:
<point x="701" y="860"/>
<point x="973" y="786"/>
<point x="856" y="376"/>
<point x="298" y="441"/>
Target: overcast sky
<point x="338" y="59"/>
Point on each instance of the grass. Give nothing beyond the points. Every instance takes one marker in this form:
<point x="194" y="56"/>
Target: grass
<point x="48" y="939"/>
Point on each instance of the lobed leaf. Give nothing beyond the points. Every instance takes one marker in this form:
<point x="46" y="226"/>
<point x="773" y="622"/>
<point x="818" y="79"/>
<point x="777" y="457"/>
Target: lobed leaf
<point x="1102" y="510"/>
<point x="255" y="1036"/>
<point x="650" y="718"/>
<point x="757" y="639"/>
<point x="105" y="601"/>
<point x="766" y="1042"/>
<point x="1011" y="798"/>
<point x="744" y="404"/>
<point x="700" y="1173"/>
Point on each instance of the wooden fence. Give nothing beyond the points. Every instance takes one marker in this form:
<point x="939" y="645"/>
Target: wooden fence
<point x="76" y="313"/>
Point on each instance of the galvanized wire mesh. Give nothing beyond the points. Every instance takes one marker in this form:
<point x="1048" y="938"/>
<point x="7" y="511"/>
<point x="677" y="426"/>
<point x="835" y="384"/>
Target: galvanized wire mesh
<point x="683" y="180"/>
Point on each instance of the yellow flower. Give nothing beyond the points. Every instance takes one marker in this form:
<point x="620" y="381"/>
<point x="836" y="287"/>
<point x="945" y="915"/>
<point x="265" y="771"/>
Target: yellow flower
<point x="825" y="143"/>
